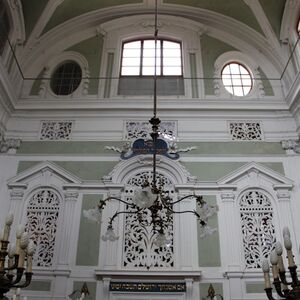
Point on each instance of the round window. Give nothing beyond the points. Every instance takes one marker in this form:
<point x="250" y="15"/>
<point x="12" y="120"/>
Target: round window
<point x="66" y="78"/>
<point x="236" y="79"/>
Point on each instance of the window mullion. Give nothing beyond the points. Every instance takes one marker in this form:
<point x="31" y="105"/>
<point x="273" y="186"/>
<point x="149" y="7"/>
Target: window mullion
<point x="142" y="58"/>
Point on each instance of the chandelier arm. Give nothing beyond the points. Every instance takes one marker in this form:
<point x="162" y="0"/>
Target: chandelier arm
<point x="28" y="276"/>
<point x="123" y="212"/>
<point x="103" y="202"/>
<point x="198" y="198"/>
<point x="15" y="265"/>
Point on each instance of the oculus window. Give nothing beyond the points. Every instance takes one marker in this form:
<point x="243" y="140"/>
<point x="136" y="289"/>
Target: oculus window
<point x="138" y="67"/>
<point x="237" y="79"/>
<point x="66" y="78"/>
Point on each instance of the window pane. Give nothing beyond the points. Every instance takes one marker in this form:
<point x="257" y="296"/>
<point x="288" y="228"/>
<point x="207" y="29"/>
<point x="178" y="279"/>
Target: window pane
<point x="133" y="45"/>
<point x="132" y="53"/>
<point x="130" y="61"/>
<point x="172" y="71"/>
<point x="172" y="61"/>
<point x="171" y="45"/>
<point x="130" y="71"/>
<point x="236" y="79"/>
<point x="150" y="71"/>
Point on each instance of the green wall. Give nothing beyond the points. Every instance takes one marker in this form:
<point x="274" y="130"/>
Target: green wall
<point x="235" y="9"/>
<point x="72" y="8"/>
<point x="211" y="49"/>
<point x="89" y="235"/>
<point x="32" y="10"/>
<point x="91" y="49"/>
<point x="209" y="246"/>
<point x="274" y="12"/>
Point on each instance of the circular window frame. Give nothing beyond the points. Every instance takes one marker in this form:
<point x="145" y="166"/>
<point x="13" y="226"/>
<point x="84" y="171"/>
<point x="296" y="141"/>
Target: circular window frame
<point x="54" y="64"/>
<point x="257" y="91"/>
<point x="249" y="73"/>
<point x="57" y="68"/>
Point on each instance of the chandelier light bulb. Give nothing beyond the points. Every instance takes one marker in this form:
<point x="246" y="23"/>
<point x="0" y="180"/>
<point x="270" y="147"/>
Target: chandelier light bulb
<point x="24" y="240"/>
<point x="144" y="197"/>
<point x="19" y="231"/>
<point x="110" y="235"/>
<point x="9" y="219"/>
<point x="11" y="250"/>
<point x="278" y="248"/>
<point x="286" y="232"/>
<point x="273" y="258"/>
<point x="287" y="242"/>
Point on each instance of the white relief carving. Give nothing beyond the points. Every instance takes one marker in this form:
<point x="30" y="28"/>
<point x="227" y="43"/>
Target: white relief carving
<point x="42" y="215"/>
<point x="245" y="131"/>
<point x="139" y="246"/>
<point x="142" y="129"/>
<point x="257" y="227"/>
<point x="56" y="130"/>
<point x="7" y="143"/>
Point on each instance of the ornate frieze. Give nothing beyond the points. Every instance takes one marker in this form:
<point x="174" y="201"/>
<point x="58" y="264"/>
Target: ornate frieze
<point x="56" y="130"/>
<point x="245" y="131"/>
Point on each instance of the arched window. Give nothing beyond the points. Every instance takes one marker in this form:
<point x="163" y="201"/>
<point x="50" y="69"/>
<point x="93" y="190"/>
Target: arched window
<point x="4" y="26"/>
<point x="42" y="215"/>
<point x="258" y="231"/>
<point x="138" y="58"/>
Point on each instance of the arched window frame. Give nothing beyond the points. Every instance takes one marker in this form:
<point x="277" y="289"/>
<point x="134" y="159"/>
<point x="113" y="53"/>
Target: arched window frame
<point x="160" y="48"/>
<point x="142" y="27"/>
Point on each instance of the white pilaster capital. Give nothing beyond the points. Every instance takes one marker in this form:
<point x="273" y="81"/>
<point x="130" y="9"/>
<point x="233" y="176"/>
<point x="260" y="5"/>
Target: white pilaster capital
<point x="227" y="196"/>
<point x="71" y="195"/>
<point x="17" y="193"/>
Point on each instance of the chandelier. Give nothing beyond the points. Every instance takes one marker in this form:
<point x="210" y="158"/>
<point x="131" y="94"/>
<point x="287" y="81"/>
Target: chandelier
<point x="152" y="204"/>
<point x="285" y="288"/>
<point x="14" y="258"/>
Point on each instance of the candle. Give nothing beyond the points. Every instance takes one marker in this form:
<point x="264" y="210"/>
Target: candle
<point x="274" y="261"/>
<point x="19" y="232"/>
<point x="23" y="244"/>
<point x="288" y="247"/>
<point x="8" y="221"/>
<point x="278" y="249"/>
<point x="30" y="252"/>
<point x="266" y="269"/>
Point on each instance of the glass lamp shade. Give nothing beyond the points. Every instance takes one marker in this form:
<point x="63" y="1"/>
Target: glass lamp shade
<point x="161" y="240"/>
<point x="144" y="198"/>
<point x="109" y="235"/>
<point x="92" y="214"/>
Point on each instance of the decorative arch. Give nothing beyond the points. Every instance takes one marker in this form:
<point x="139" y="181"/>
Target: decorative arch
<point x="123" y="171"/>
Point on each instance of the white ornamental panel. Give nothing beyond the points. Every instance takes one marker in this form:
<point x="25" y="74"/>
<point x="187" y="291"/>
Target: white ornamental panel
<point x="257" y="227"/>
<point x="42" y="215"/>
<point x="140" y="249"/>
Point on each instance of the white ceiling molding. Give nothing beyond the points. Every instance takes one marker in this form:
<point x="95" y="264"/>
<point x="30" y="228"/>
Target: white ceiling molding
<point x="84" y="26"/>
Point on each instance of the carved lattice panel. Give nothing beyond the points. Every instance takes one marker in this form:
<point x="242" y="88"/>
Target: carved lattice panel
<point x="141" y="129"/>
<point x="246" y="131"/>
<point x="257" y="227"/>
<point x="42" y="215"/>
<point x="139" y="247"/>
<point x="56" y="130"/>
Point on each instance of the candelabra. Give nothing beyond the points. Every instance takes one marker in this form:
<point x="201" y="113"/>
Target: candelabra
<point x="211" y="294"/>
<point x="289" y="290"/>
<point x="14" y="257"/>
